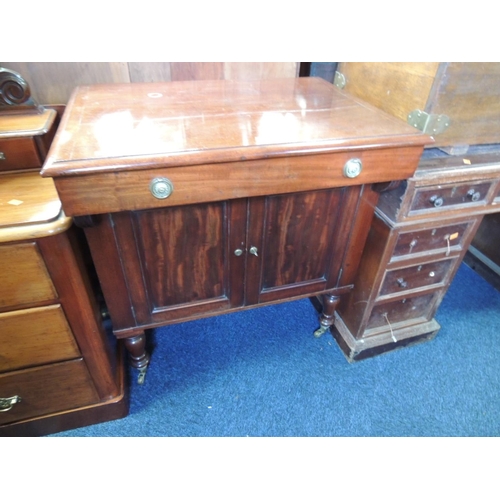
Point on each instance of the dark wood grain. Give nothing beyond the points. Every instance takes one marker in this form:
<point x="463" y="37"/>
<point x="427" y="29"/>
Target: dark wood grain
<point x="184" y="250"/>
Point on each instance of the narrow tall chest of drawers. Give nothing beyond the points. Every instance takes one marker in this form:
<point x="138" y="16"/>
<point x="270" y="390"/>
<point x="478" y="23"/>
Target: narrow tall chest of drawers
<point x="419" y="236"/>
<point x="59" y="368"/>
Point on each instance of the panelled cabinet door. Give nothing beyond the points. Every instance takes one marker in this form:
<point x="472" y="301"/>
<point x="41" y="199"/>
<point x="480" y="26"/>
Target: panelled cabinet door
<point x="187" y="259"/>
<point x="291" y="238"/>
<point x="184" y="261"/>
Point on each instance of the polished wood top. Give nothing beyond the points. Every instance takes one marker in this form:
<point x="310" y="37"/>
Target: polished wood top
<point x="26" y="125"/>
<point x="135" y="126"/>
<point x="29" y="207"/>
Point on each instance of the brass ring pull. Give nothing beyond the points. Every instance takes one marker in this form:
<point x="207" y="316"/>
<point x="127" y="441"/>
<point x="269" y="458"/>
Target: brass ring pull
<point x="353" y="168"/>
<point x="161" y="187"/>
<point x="7" y="404"/>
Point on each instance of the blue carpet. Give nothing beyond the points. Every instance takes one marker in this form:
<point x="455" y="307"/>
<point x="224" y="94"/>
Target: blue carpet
<point x="262" y="373"/>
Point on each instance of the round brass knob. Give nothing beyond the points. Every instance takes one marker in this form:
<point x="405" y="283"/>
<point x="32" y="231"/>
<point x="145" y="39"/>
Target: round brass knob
<point x="353" y="167"/>
<point x="161" y="187"/>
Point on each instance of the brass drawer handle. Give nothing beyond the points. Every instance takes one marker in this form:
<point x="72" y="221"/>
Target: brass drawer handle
<point x="161" y="187"/>
<point x="7" y="404"/>
<point x="353" y="168"/>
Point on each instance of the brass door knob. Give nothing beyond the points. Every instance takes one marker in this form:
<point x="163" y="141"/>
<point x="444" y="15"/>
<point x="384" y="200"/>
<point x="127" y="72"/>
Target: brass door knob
<point x="161" y="187"/>
<point x="353" y="167"/>
<point x="253" y="251"/>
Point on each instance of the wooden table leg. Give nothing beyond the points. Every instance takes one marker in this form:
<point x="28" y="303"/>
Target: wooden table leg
<point x="138" y="356"/>
<point x="330" y="303"/>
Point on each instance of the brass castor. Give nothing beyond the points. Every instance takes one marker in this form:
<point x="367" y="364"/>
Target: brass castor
<point x="320" y="331"/>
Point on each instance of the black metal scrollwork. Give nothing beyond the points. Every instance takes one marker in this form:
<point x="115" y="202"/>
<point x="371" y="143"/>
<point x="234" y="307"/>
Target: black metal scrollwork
<point x="15" y="94"/>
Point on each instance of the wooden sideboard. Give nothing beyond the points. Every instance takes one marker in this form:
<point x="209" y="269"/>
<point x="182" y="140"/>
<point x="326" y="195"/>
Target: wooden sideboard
<point x="201" y="198"/>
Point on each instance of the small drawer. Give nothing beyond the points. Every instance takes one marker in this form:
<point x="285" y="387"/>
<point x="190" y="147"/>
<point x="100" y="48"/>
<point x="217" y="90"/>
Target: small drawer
<point x="391" y="314"/>
<point x="33" y="337"/>
<point x="24" y="277"/>
<point x="107" y="189"/>
<point x="18" y="154"/>
<point x="446" y="239"/>
<point x="410" y="278"/>
<point x="44" y="390"/>
<point x="443" y="197"/>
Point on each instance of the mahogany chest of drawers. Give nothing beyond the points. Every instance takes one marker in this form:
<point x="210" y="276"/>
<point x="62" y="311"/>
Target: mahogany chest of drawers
<point x="59" y="368"/>
<point x="200" y="198"/>
<point x="419" y="236"/>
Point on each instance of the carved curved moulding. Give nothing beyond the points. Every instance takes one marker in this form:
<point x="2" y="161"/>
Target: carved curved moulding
<point x="15" y="94"/>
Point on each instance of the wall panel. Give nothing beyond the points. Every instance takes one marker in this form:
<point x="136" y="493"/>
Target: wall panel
<point x="53" y="82"/>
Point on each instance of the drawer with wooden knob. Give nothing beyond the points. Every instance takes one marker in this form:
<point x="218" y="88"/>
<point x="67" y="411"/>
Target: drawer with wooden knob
<point x="44" y="390"/>
<point x="444" y="240"/>
<point x="392" y="315"/>
<point x="432" y="274"/>
<point x="448" y="196"/>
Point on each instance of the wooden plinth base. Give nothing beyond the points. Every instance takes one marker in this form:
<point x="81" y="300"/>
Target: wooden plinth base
<point x="358" y="349"/>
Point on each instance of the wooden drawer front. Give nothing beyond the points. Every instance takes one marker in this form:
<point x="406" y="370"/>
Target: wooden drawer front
<point x="37" y="336"/>
<point x="439" y="198"/>
<point x="47" y="389"/>
<point x="24" y="277"/>
<point x="19" y="154"/>
<point x="410" y="278"/>
<point x="391" y="313"/>
<point x="444" y="239"/>
<point x="98" y="193"/>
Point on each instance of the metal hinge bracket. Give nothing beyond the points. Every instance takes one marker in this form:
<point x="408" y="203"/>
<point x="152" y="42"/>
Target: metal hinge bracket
<point x="339" y="80"/>
<point x="428" y="123"/>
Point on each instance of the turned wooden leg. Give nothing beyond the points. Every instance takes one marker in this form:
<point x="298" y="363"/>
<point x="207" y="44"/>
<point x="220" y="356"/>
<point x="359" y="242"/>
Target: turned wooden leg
<point x="330" y="303"/>
<point x="139" y="358"/>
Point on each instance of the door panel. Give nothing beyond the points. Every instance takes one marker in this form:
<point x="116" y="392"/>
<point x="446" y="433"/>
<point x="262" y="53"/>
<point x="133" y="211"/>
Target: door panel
<point x="184" y="253"/>
<point x="295" y="235"/>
